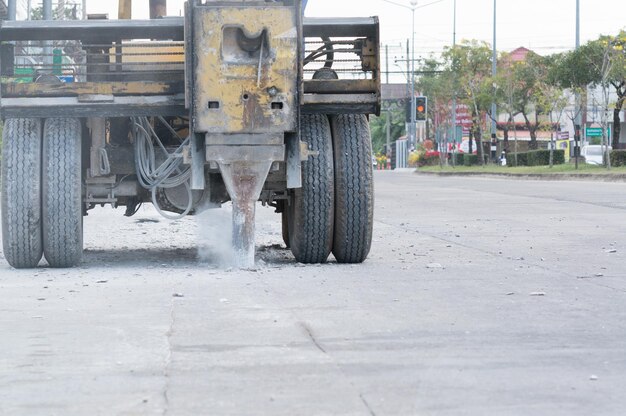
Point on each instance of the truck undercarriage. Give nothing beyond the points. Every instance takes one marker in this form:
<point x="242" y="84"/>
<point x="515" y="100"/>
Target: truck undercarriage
<point x="237" y="101"/>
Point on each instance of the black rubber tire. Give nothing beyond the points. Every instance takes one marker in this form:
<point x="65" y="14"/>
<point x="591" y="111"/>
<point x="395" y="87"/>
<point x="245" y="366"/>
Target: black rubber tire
<point x="310" y="213"/>
<point x="22" y="238"/>
<point x="62" y="192"/>
<point x="354" y="188"/>
<point x="325" y="73"/>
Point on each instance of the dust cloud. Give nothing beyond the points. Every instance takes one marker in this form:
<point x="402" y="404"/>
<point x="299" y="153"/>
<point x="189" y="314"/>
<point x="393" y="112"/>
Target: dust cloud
<point x="215" y="236"/>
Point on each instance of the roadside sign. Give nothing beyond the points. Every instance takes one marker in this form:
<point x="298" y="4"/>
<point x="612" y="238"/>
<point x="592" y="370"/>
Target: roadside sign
<point x="463" y="119"/>
<point x="593" y="131"/>
<point x="459" y="134"/>
<point x="596" y="131"/>
<point x="564" y="145"/>
<point x="562" y="135"/>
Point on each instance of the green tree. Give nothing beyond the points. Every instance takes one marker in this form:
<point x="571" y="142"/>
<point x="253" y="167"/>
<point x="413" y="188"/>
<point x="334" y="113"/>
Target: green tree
<point x="378" y="126"/>
<point x="618" y="81"/>
<point x="565" y="72"/>
<point x="529" y="76"/>
<point x="508" y="98"/>
<point x="467" y="68"/>
<point x="600" y="62"/>
<point x="62" y="12"/>
<point x="613" y="74"/>
<point x="552" y="100"/>
<point x="572" y="69"/>
<point x="606" y="55"/>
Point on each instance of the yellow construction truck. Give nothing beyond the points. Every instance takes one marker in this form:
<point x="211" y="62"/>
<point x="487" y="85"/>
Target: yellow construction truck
<point x="237" y="101"/>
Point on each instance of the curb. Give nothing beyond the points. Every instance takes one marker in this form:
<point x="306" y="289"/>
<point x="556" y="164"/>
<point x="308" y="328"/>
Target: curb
<point x="598" y="177"/>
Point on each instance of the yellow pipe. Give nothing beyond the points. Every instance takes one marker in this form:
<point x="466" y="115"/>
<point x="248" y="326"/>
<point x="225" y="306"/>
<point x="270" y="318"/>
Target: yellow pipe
<point x="125" y="9"/>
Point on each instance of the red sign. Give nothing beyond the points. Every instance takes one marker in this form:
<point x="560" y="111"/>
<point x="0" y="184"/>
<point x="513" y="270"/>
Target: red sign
<point x="463" y="118"/>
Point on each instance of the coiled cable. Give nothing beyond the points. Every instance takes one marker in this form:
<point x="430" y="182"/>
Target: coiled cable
<point x="169" y="174"/>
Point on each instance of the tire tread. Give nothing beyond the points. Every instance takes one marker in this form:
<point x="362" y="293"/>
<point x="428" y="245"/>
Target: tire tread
<point x="21" y="192"/>
<point x="312" y="206"/>
<point x="354" y="188"/>
<point x="62" y="192"/>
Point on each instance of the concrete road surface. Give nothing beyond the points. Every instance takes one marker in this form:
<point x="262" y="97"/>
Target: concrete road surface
<point x="480" y="297"/>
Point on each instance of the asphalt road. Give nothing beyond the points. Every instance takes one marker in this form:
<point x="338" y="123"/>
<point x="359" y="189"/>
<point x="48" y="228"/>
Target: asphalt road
<point x="480" y="297"/>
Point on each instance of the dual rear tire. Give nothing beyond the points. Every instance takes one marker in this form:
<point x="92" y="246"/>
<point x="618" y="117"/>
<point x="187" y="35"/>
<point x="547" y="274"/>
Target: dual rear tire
<point x="333" y="211"/>
<point x="62" y="192"/>
<point x="22" y="237"/>
<point x="42" y="192"/>
<point x="310" y="214"/>
<point x="354" y="188"/>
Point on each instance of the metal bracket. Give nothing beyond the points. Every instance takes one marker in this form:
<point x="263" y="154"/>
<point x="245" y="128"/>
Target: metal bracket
<point x="294" y="161"/>
<point x="198" y="157"/>
<point x="100" y="164"/>
<point x="369" y="55"/>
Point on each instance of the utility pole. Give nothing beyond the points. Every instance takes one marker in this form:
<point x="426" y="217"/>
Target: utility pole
<point x="12" y="10"/>
<point x="387" y="64"/>
<point x="494" y="68"/>
<point x="578" y="110"/>
<point x="453" y="118"/>
<point x="47" y="9"/>
<point x="413" y="125"/>
<point x="577" y="24"/>
<point x="408" y="88"/>
<point x="388" y="125"/>
<point x="47" y="15"/>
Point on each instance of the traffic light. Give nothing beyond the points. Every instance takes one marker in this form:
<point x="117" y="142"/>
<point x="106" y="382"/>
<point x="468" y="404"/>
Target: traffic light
<point x="421" y="108"/>
<point x="408" y="107"/>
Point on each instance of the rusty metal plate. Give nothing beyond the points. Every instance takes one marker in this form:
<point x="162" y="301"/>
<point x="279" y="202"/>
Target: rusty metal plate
<point x="246" y="69"/>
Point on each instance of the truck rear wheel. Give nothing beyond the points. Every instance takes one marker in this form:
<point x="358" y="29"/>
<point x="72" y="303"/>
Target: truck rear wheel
<point x="21" y="192"/>
<point x="354" y="188"/>
<point x="62" y="192"/>
<point x="310" y="214"/>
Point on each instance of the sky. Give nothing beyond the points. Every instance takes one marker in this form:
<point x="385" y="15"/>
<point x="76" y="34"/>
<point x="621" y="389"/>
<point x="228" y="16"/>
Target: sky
<point x="542" y="25"/>
<point x="545" y="26"/>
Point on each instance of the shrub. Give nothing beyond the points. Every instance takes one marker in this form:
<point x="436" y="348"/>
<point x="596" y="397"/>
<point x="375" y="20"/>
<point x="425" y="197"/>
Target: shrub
<point x="457" y="159"/>
<point x="430" y="158"/>
<point x="522" y="159"/>
<point x="559" y="157"/>
<point x="536" y="158"/>
<point x="618" y="158"/>
<point x="542" y="157"/>
<point x="470" y="159"/>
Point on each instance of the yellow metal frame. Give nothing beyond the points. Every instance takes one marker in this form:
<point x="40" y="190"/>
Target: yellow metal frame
<point x="251" y="97"/>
